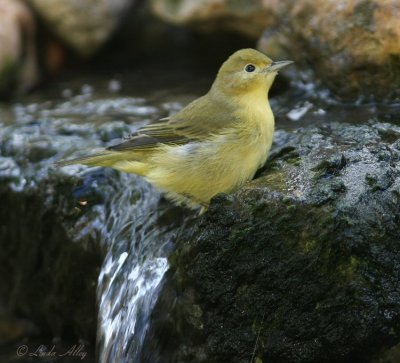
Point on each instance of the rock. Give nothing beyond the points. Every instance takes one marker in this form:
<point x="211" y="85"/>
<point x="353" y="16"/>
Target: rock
<point x="247" y="17"/>
<point x="51" y="219"/>
<point x="18" y="63"/>
<point x="83" y="25"/>
<point x="351" y="46"/>
<point x="300" y="265"/>
<point x="392" y="355"/>
<point x="50" y="243"/>
<point x="53" y="270"/>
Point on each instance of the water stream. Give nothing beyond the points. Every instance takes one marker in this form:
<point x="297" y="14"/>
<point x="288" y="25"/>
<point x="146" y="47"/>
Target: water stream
<point x="139" y="240"/>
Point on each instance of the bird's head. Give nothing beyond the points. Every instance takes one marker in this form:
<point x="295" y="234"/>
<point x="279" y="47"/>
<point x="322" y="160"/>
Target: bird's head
<point x="247" y="70"/>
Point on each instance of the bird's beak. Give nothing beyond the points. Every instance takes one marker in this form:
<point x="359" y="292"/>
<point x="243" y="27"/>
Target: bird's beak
<point x="276" y="66"/>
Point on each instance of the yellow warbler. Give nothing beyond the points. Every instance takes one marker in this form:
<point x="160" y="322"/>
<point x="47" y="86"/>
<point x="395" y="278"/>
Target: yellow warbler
<point x="215" y="144"/>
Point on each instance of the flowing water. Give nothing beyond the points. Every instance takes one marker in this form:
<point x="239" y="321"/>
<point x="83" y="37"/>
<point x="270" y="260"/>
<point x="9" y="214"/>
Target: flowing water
<point x="139" y="234"/>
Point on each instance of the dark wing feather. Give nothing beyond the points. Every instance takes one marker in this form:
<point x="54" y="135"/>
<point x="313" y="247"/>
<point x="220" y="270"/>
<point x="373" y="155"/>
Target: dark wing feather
<point x="143" y="142"/>
<point x="190" y="124"/>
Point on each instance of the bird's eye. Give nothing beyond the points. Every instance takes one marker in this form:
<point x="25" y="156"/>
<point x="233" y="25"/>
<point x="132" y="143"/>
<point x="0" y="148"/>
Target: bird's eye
<point x="250" y="68"/>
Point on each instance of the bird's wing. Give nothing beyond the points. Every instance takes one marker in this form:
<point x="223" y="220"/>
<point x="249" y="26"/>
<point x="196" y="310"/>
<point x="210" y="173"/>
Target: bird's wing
<point x="192" y="123"/>
<point x="147" y="137"/>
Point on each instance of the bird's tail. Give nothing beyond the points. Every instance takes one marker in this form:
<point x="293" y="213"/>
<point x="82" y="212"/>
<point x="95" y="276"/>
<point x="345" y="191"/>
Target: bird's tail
<point x="113" y="159"/>
<point x="103" y="158"/>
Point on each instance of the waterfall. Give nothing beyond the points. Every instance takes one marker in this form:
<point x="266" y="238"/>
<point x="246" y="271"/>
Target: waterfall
<point x="138" y="235"/>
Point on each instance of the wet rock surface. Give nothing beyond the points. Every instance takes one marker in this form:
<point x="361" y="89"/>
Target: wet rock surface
<point x="49" y="235"/>
<point x="300" y="265"/>
<point x="52" y="220"/>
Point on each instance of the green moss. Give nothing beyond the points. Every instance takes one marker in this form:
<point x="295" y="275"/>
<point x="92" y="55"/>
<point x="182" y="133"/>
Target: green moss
<point x="349" y="267"/>
<point x="275" y="180"/>
<point x="309" y="245"/>
<point x="194" y="316"/>
<point x="291" y="207"/>
<point x="295" y="161"/>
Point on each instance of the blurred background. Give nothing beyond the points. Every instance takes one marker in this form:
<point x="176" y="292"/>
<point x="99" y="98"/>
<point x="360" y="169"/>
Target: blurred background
<point x="351" y="47"/>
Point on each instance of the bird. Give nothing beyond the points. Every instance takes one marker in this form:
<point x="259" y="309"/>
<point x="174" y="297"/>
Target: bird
<point x="213" y="145"/>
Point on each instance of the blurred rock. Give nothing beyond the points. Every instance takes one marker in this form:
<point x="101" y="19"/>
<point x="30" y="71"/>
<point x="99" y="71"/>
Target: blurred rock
<point x="18" y="64"/>
<point x="300" y="265"/>
<point x="352" y="46"/>
<point x="247" y="17"/>
<point x="82" y="24"/>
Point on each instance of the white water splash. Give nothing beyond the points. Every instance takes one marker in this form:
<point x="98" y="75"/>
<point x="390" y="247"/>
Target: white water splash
<point x="132" y="271"/>
<point x="298" y="112"/>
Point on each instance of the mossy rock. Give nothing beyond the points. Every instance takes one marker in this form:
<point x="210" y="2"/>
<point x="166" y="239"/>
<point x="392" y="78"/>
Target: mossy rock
<point x="300" y="265"/>
<point x="50" y="227"/>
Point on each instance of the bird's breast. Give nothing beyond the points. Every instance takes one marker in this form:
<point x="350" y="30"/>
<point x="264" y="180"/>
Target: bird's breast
<point x="257" y="130"/>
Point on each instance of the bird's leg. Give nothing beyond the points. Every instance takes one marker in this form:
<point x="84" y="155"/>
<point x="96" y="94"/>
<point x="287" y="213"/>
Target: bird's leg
<point x="204" y="206"/>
